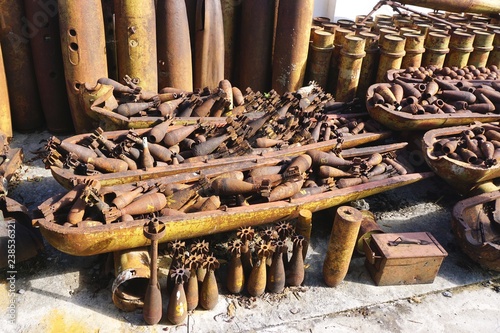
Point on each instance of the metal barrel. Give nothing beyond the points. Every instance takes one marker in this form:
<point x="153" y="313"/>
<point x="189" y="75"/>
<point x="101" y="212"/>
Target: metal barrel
<point x="175" y="67"/>
<point x="494" y="58"/>
<point x="392" y="51"/>
<point x="318" y="61"/>
<point x="460" y="49"/>
<point x="256" y="44"/>
<point x="291" y="44"/>
<point x="483" y="44"/>
<point x="414" y="48"/>
<point x="25" y="106"/>
<point x="84" y="52"/>
<point x="436" y="49"/>
<point x="333" y="72"/>
<point x="5" y="117"/>
<point x="136" y="41"/>
<point x="231" y="12"/>
<point x="351" y="58"/>
<point x="49" y="70"/>
<point x="370" y="62"/>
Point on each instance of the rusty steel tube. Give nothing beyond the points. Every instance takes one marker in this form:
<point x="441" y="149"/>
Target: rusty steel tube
<point x="293" y="25"/>
<point x="5" y="117"/>
<point x="477" y="6"/>
<point x="414" y="48"/>
<point x="436" y="49"/>
<point x="368" y="227"/>
<point x="351" y="58"/>
<point x="303" y="227"/>
<point x="84" y="53"/>
<point x="320" y="54"/>
<point x="174" y="52"/>
<point x="460" y="49"/>
<point x="25" y="106"/>
<point x="392" y="51"/>
<point x="333" y="72"/>
<point x="49" y="70"/>
<point x="231" y="14"/>
<point x="483" y="44"/>
<point x="136" y="41"/>
<point x="370" y="63"/>
<point x="494" y="58"/>
<point x="256" y="42"/>
<point x="341" y="246"/>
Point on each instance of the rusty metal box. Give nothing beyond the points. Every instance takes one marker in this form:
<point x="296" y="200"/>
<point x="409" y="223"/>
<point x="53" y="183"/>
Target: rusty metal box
<point x="403" y="258"/>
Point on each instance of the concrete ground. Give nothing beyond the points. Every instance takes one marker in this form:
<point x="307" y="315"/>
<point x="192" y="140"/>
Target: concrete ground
<point x="56" y="292"/>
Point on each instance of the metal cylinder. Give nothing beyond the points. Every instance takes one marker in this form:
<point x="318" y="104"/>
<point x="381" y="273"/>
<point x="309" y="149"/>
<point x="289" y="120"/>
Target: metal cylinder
<point x="460" y="49"/>
<point x="333" y="72"/>
<point x="480" y="6"/>
<point x="341" y="245"/>
<point x="49" y="70"/>
<point x="84" y="52"/>
<point x="231" y="12"/>
<point x="414" y="48"/>
<point x="136" y="41"/>
<point x="5" y="117"/>
<point x="108" y="11"/>
<point x="209" y="44"/>
<point x="351" y="58"/>
<point x="370" y="63"/>
<point x="368" y="227"/>
<point x="392" y="51"/>
<point x="494" y="58"/>
<point x="174" y="52"/>
<point x="25" y="106"/>
<point x="436" y="49"/>
<point x="256" y="44"/>
<point x="303" y="227"/>
<point x="318" y="61"/>
<point x="291" y="44"/>
<point x="483" y="44"/>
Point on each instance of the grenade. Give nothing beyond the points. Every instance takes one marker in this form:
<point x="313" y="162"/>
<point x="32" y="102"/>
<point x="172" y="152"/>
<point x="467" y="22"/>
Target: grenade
<point x="276" y="273"/>
<point x="177" y="309"/>
<point x="235" y="274"/>
<point x="256" y="284"/>
<point x="209" y="293"/>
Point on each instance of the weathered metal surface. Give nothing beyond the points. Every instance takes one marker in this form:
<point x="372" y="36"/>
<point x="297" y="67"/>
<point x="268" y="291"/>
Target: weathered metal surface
<point x="174" y="52"/>
<point x="392" y="51"/>
<point x="26" y="113"/>
<point x="478" y="6"/>
<point x="460" y="49"/>
<point x="333" y="71"/>
<point x="231" y="14"/>
<point x="483" y="44"/>
<point x="108" y="10"/>
<point x="5" y="117"/>
<point x="370" y="63"/>
<point x="436" y="49"/>
<point x="494" y="58"/>
<point x="368" y="227"/>
<point x="303" y="227"/>
<point x="461" y="175"/>
<point x="255" y="43"/>
<point x="414" y="48"/>
<point x="318" y="59"/>
<point x="291" y="44"/>
<point x="84" y="52"/>
<point x="47" y="60"/>
<point x="209" y="44"/>
<point x="351" y="58"/>
<point x="476" y="231"/>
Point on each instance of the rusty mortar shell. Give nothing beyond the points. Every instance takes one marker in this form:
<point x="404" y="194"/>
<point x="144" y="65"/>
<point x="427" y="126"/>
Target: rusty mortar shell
<point x="311" y="190"/>
<point x="160" y="153"/>
<point x="152" y="310"/>
<point x="454" y="95"/>
<point x="348" y="182"/>
<point x="483" y="44"/>
<point x="414" y="48"/>
<point x="370" y="62"/>
<point x="228" y="186"/>
<point x="368" y="227"/>
<point x="303" y="227"/>
<point x="175" y="136"/>
<point x="323" y="158"/>
<point x="338" y="43"/>
<point x="203" y="110"/>
<point x="431" y="89"/>
<point x="126" y="198"/>
<point x="68" y="198"/>
<point x="436" y="49"/>
<point x="177" y="309"/>
<point x="133" y="272"/>
<point x="172" y="30"/>
<point x="284" y="229"/>
<point x="226" y="86"/>
<point x="84" y="52"/>
<point x="177" y="199"/>
<point x="209" y="146"/>
<point x="5" y="116"/>
<point x="169" y="108"/>
<point x="492" y="95"/>
<point x="246" y="235"/>
<point x="48" y="64"/>
<point x="472" y="145"/>
<point x="326" y="171"/>
<point x="386" y="94"/>
<point x="235" y="281"/>
<point x="209" y="293"/>
<point x="267" y="143"/>
<point x="391" y="55"/>
<point x="295" y="270"/>
<point x="285" y="190"/>
<point x="135" y="22"/>
<point x="449" y="146"/>
<point x="398" y="92"/>
<point x="377" y="170"/>
<point x="257" y="280"/>
<point x="212" y="203"/>
<point x="117" y="86"/>
<point x="395" y="164"/>
<point x="461" y="45"/>
<point x="145" y="204"/>
<point x="319" y="57"/>
<point x="341" y="246"/>
<point x="158" y="132"/>
<point x="238" y="98"/>
<point x="147" y="160"/>
<point x="132" y="109"/>
<point x="484" y="105"/>
<point x="301" y="162"/>
<point x="408" y="88"/>
<point x="467" y="155"/>
<point x="351" y="59"/>
<point x="276" y="274"/>
<point x="192" y="262"/>
<point x="494" y="57"/>
<point x="488" y="150"/>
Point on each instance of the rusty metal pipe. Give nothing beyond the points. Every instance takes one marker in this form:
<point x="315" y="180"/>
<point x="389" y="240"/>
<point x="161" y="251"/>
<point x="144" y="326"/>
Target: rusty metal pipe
<point x="391" y="55"/>
<point x="460" y="49"/>
<point x="483" y="44"/>
<point x="351" y="59"/>
<point x="436" y="49"/>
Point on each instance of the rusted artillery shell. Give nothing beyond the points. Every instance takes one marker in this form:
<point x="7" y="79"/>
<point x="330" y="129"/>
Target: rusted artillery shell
<point x="333" y="74"/>
<point x="292" y="28"/>
<point x="460" y="49"/>
<point x="204" y="108"/>
<point x="145" y="204"/>
<point x="117" y="86"/>
<point x="209" y="44"/>
<point x="431" y="89"/>
<point x="131" y="109"/>
<point x="370" y="62"/>
<point x="276" y="274"/>
<point x="483" y="44"/>
<point x="136" y="41"/>
<point x="207" y="147"/>
<point x="266" y="142"/>
<point x="5" y="116"/>
<point x="147" y="160"/>
<point x="453" y="95"/>
<point x="212" y="203"/>
<point x="436" y="49"/>
<point x="228" y="186"/>
<point x="192" y="289"/>
<point x="77" y="211"/>
<point x="302" y="162"/>
<point x="238" y="98"/>
<point x="408" y="88"/>
<point x="445" y="85"/>
<point x="414" y="49"/>
<point x="295" y="270"/>
<point x="347" y="182"/>
<point x="396" y="165"/>
<point x="377" y="170"/>
<point x="368" y="227"/>
<point x="169" y="108"/>
<point x="64" y="201"/>
<point x="235" y="281"/>
<point x="266" y="170"/>
<point x="83" y="153"/>
<point x="225" y="85"/>
<point x="488" y="149"/>
<point x="285" y="190"/>
<point x="303" y="227"/>
<point x="467" y="155"/>
<point x="391" y="55"/>
<point x="494" y="57"/>
<point x="177" y="306"/>
<point x="175" y="136"/>
<point x="326" y="171"/>
<point x="257" y="280"/>
<point x="84" y="52"/>
<point x="48" y="64"/>
<point x="397" y="91"/>
<point x="209" y="293"/>
<point x="26" y="111"/>
<point x="318" y="59"/>
<point x="307" y="191"/>
<point x="126" y="198"/>
<point x="492" y="95"/>
<point x="351" y="58"/>
<point x="158" y="132"/>
<point x="160" y="153"/>
<point x="322" y="158"/>
<point x="450" y="146"/>
<point x="341" y="245"/>
<point x="174" y="53"/>
<point x="484" y="107"/>
<point x="386" y="94"/>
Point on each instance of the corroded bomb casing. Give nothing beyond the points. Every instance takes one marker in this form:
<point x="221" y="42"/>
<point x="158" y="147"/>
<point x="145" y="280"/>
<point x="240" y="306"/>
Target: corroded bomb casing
<point x="174" y="51"/>
<point x="276" y="274"/>
<point x="386" y="94"/>
<point x="414" y="48"/>
<point x="49" y="70"/>
<point x="169" y="108"/>
<point x="318" y="60"/>
<point x="436" y="49"/>
<point x="77" y="211"/>
<point x="204" y="108"/>
<point x="145" y="204"/>
<point x="179" y="198"/>
<point x="322" y="158"/>
<point x="368" y="227"/>
<point x="370" y="62"/>
<point x="175" y="136"/>
<point x="158" y="132"/>
<point x="160" y="153"/>
<point x="303" y="227"/>
<point x="209" y="44"/>
<point x="83" y="153"/>
<point x="491" y="94"/>
<point x="341" y="245"/>
<point x="230" y="186"/>
<point x="302" y="162"/>
<point x="265" y="171"/>
<point x="483" y="44"/>
<point x="431" y="89"/>
<point x="494" y="57"/>
<point x="227" y="88"/>
<point x="126" y="198"/>
<point x="207" y="147"/>
<point x="26" y="111"/>
<point x="84" y="52"/>
<point x="147" y="160"/>
<point x="266" y="142"/>
<point x="458" y="95"/>
<point x="408" y="88"/>
<point x="117" y="86"/>
<point x="238" y="98"/>
<point x="131" y="109"/>
<point x="291" y="45"/>
<point x="191" y="287"/>
<point x="460" y="49"/>
<point x="257" y="280"/>
<point x="212" y="203"/>
<point x="209" y="293"/>
<point x="351" y="58"/>
<point x="285" y="190"/>
<point x="5" y="116"/>
<point x="177" y="306"/>
<point x="392" y="51"/>
<point x="295" y="270"/>
<point x="326" y="171"/>
<point x="396" y="165"/>
<point x="398" y="92"/>
<point x="235" y="281"/>
<point x="333" y="72"/>
<point x="135" y="22"/>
